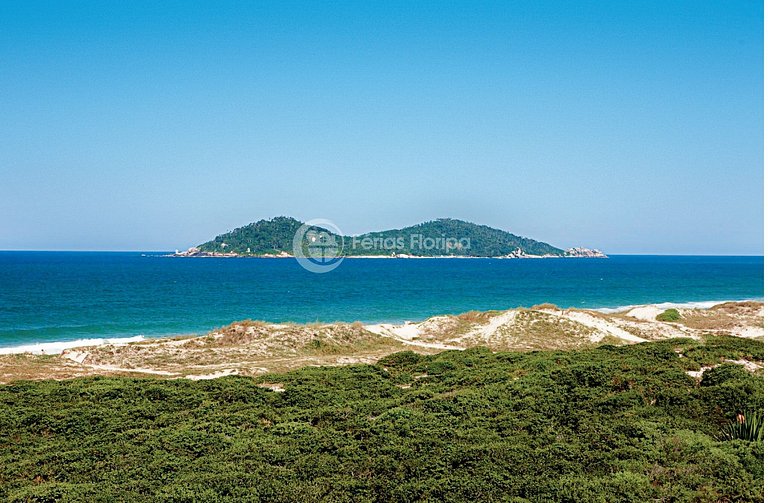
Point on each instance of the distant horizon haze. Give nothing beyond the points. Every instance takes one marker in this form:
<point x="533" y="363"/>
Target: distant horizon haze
<point x="364" y="231"/>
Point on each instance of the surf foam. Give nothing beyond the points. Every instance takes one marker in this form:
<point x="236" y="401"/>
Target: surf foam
<point x="56" y="347"/>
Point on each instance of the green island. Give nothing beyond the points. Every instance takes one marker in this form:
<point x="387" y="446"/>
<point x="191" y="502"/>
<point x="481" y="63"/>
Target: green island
<point x="672" y="420"/>
<point x="437" y="238"/>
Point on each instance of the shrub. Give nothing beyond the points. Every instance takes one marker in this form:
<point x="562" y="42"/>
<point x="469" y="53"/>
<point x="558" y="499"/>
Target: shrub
<point x="728" y="372"/>
<point x="599" y="425"/>
<point x="669" y="315"/>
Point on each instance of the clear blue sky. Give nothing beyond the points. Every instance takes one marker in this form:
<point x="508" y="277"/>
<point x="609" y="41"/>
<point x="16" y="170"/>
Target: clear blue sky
<point x="633" y="126"/>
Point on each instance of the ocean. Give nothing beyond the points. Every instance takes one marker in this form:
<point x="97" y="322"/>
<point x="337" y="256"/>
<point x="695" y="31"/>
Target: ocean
<point x="61" y="297"/>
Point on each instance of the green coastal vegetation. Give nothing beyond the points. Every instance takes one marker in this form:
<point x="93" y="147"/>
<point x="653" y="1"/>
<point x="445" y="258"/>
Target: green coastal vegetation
<point x="669" y="315"/>
<point x="674" y="420"/>
<point x="257" y="238"/>
<point x="275" y="236"/>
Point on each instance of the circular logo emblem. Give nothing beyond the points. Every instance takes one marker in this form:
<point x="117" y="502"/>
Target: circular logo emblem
<point x="318" y="246"/>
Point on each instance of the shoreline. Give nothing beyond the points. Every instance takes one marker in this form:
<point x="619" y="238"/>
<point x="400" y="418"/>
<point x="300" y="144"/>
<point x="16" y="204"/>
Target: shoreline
<point x="390" y="257"/>
<point x="55" y="347"/>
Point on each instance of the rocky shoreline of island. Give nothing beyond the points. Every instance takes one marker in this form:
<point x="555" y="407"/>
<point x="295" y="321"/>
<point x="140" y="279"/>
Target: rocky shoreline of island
<point x="196" y="252"/>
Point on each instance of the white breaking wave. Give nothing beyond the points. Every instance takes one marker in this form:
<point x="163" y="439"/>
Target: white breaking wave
<point x="56" y="347"/>
<point x="704" y="304"/>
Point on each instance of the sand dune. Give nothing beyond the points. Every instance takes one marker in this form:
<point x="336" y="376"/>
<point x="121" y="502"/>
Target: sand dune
<point x="254" y="348"/>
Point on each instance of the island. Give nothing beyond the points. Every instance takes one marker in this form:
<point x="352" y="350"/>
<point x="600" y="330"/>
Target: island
<point x="441" y="238"/>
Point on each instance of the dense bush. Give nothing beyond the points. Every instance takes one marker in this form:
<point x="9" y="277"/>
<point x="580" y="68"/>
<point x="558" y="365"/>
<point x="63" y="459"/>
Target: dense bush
<point x="608" y="424"/>
<point x="669" y="315"/>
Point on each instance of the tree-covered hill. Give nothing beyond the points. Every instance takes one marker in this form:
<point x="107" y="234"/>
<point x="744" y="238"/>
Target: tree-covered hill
<point x="440" y="237"/>
<point x="483" y="241"/>
<point x="258" y="238"/>
<point x="602" y="425"/>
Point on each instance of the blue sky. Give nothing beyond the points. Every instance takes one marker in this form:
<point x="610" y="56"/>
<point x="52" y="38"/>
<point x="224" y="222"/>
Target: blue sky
<point x="632" y="126"/>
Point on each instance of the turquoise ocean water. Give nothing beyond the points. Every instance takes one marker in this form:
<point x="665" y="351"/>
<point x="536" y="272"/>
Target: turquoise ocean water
<point x="66" y="296"/>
